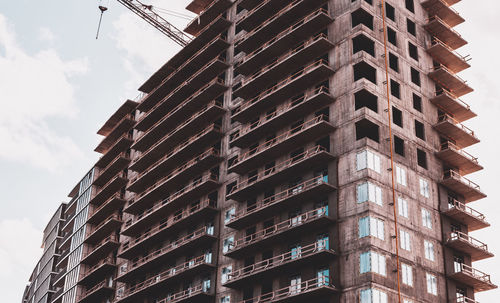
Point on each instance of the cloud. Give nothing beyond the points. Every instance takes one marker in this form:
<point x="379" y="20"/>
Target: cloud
<point x="19" y="249"/>
<point x="45" y="34"/>
<point x="35" y="90"/>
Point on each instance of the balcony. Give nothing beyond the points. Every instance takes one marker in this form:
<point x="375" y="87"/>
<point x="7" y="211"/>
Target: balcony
<point x="462" y="186"/>
<point x="109" y="189"/>
<point x="155" y="233"/>
<point x="444" y="11"/>
<point x="443" y="54"/>
<point x="452" y="105"/>
<point x="207" y="16"/>
<point x="466" y="215"/>
<point x="442" y="31"/>
<point x="285" y="64"/>
<point x="118" y="164"/>
<point x="298" y="32"/>
<point x="463" y="299"/>
<point x="160" y="281"/>
<point x="99" y="251"/>
<point x="162" y="152"/>
<point x="66" y="240"/>
<point x="472" y="277"/>
<point x="307" y="222"/>
<point x="285" y="89"/>
<point x="179" y="176"/>
<point x="198" y="187"/>
<point x="456" y="157"/>
<point x="198" y="104"/>
<point x="469" y="245"/>
<point x="123" y="143"/>
<point x="103" y="229"/>
<point x="106" y="209"/>
<point x="103" y="289"/>
<point x="450" y="81"/>
<point x="291" y="111"/>
<point x="59" y="278"/>
<point x="307" y="291"/>
<point x="197" y="294"/>
<point x="280" y="172"/>
<point x="275" y="14"/>
<point x="57" y="296"/>
<point x="62" y="261"/>
<point x="317" y="186"/>
<point x="166" y="98"/>
<point x="460" y="134"/>
<point x="281" y="145"/>
<point x="94" y="273"/>
<point x="124" y="125"/>
<point x="143" y="264"/>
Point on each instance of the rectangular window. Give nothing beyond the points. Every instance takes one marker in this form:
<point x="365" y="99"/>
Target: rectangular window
<point x="227" y="244"/>
<point x="413" y="51"/>
<point x="323" y="276"/>
<point x="429" y="250"/>
<point x="426" y="218"/>
<point x="404" y="240"/>
<point x="395" y="89"/>
<point x="424" y="188"/>
<point x="296" y="251"/>
<point x="225" y="273"/>
<point x="390" y="12"/>
<point x="410" y="6"/>
<point x="368" y="159"/>
<point x="295" y="285"/>
<point x="372" y="262"/>
<point x="369" y="226"/>
<point x="392" y="37"/>
<point x="400" y="175"/>
<point x="411" y="27"/>
<point x="419" y="130"/>
<point x="407" y="274"/>
<point x="225" y="299"/>
<point x="394" y="62"/>
<point x="403" y="207"/>
<point x="417" y="102"/>
<point x="415" y="76"/>
<point x="229" y="214"/>
<point x="369" y="192"/>
<point x="397" y="117"/>
<point x="373" y="295"/>
<point x="431" y="284"/>
<point x="421" y="158"/>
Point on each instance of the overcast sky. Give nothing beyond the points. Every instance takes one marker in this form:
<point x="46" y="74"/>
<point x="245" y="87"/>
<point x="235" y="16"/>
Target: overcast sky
<point x="58" y="85"/>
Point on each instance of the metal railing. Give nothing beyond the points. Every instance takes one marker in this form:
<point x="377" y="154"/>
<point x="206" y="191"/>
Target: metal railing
<point x="126" y="135"/>
<point x="448" y="145"/>
<point x="472" y="272"/>
<point x="129" y="266"/>
<point x="250" y="180"/>
<point x="120" y="155"/>
<point x="451" y="96"/>
<point x="278" y="228"/>
<point x="454" y="204"/>
<point x="163" y="225"/>
<point x="185" y="294"/>
<point x="164" y="275"/>
<point x="293" y="290"/>
<point x="443" y="67"/>
<point x="451" y="174"/>
<point x="448" y="118"/>
<point x="92" y="212"/>
<point x="95" y="228"/>
<point x="444" y="23"/>
<point x="436" y="41"/>
<point x="89" y="251"/>
<point x="283" y="137"/>
<point x="102" y="284"/>
<point x="460" y="236"/>
<point x="463" y="299"/>
<point x="277" y="198"/>
<point x="126" y="117"/>
<point x="91" y="269"/>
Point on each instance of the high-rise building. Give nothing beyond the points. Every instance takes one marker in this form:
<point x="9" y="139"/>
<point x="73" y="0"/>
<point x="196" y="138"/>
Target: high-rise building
<point x="265" y="162"/>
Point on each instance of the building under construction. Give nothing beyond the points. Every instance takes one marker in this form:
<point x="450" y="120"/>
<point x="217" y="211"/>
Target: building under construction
<point x="291" y="151"/>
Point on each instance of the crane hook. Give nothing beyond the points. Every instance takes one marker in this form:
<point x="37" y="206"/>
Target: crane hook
<point x="102" y="9"/>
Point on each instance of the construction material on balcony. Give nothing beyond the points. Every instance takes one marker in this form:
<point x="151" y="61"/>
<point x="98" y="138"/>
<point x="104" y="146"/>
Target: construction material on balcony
<point x="450" y="81"/>
<point x="462" y="186"/>
<point x="472" y="277"/>
<point x="448" y="103"/>
<point x="460" y="212"/>
<point x="444" y="33"/>
<point x="444" y="11"/>
<point x="459" y="134"/>
<point x="469" y="245"/>
<point x="459" y="159"/>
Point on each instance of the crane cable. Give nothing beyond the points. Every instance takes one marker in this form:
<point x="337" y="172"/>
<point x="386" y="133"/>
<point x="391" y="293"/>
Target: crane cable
<point x="398" y="269"/>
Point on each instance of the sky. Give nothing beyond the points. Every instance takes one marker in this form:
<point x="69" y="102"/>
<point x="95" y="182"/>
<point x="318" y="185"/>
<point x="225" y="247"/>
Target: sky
<point x="58" y="85"/>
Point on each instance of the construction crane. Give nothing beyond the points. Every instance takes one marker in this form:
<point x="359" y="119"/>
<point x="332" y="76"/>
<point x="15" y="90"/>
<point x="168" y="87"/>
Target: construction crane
<point x="147" y="13"/>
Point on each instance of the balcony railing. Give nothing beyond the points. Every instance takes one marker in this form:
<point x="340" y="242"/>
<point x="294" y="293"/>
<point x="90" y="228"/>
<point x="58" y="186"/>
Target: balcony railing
<point x="117" y="197"/>
<point x="89" y="251"/>
<point x="294" y="291"/>
<point x="451" y="174"/>
<point x="464" y="237"/>
<point x="92" y="269"/>
<point x="152" y="231"/>
<point x="279" y="228"/>
<point x="173" y="197"/>
<point x="451" y="146"/>
<point x="120" y="179"/>
<point x="118" y="163"/>
<point x="254" y="179"/>
<point x="477" y="274"/>
<point x="474" y="213"/>
<point x="437" y="27"/>
<point x="449" y="80"/>
<point x="449" y="119"/>
<point x="94" y="289"/>
<point x="278" y="198"/>
<point x="465" y="300"/>
<point x="449" y="103"/>
<point x="186" y="294"/>
<point x="456" y="62"/>
<point x="165" y="275"/>
<point x="117" y="218"/>
<point x="138" y="262"/>
<point x="463" y="242"/>
<point x="477" y="279"/>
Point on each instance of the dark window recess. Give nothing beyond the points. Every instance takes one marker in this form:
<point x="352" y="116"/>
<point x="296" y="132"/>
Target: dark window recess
<point x="367" y="1"/>
<point x="230" y="187"/>
<point x="397" y="117"/>
<point x="421" y="158"/>
<point x="395" y="89"/>
<point x="367" y="129"/>
<point x="419" y="130"/>
<point x="390" y="12"/>
<point x="363" y="98"/>
<point x="392" y="37"/>
<point x="231" y="161"/>
<point x="415" y="76"/>
<point x="252" y="176"/>
<point x="361" y="16"/>
<point x="297" y="154"/>
<point x="411" y="27"/>
<point x="417" y="102"/>
<point x="410" y="6"/>
<point x="363" y="43"/>
<point x="399" y="146"/>
<point x="365" y="70"/>
<point x="394" y="62"/>
<point x="239" y="9"/>
<point x="325" y="112"/>
<point x="325" y="143"/>
<point x="413" y="51"/>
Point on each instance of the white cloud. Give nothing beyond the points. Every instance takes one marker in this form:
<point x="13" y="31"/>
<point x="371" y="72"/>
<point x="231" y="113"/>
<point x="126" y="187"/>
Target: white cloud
<point x="19" y="251"/>
<point x="45" y="34"/>
<point x="35" y="88"/>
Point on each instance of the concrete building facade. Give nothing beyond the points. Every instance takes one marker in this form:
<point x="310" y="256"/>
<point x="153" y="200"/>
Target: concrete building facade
<point x="256" y="165"/>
